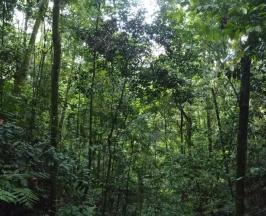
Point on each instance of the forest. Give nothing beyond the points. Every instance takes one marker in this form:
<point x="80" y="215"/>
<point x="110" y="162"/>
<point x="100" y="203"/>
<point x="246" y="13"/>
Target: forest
<point x="132" y="107"/>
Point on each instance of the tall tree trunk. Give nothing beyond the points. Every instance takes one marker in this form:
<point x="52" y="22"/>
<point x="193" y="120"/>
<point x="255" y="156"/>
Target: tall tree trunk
<point x="92" y="86"/>
<point x="109" y="145"/>
<point x="209" y="126"/>
<point x="165" y="129"/>
<point x="222" y="143"/>
<point x="217" y="112"/>
<point x="140" y="192"/>
<point x="26" y="20"/>
<point x="189" y="129"/>
<point x="1" y="65"/>
<point x="36" y="92"/>
<point x="91" y="109"/>
<point x="189" y="134"/>
<point x="92" y="91"/>
<point x="64" y="109"/>
<point x="242" y="135"/>
<point x="54" y="99"/>
<point x="181" y="132"/>
<point x="128" y="178"/>
<point x="20" y="75"/>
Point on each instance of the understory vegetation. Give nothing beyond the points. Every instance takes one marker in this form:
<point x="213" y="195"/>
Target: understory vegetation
<point x="107" y="109"/>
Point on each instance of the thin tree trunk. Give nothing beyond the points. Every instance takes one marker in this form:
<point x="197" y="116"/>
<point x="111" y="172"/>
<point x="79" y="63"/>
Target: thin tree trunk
<point x="127" y="181"/>
<point x="217" y="112"/>
<point x="21" y="74"/>
<point x="234" y="89"/>
<point x="222" y="143"/>
<point x="140" y="193"/>
<point x="165" y="130"/>
<point x="181" y="132"/>
<point x="36" y="92"/>
<point x="77" y="135"/>
<point x="189" y="133"/>
<point x="1" y="68"/>
<point x="117" y="203"/>
<point x="109" y="145"/>
<point x="92" y="92"/>
<point x="92" y="86"/>
<point x="32" y="117"/>
<point x="64" y="108"/>
<point x="91" y="109"/>
<point x="26" y="24"/>
<point x="209" y="126"/>
<point x="242" y="136"/>
<point x="188" y="129"/>
<point x="54" y="100"/>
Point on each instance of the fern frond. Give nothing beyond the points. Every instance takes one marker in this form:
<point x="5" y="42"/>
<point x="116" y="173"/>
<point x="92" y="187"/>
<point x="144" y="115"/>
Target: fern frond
<point x="6" y="196"/>
<point x="25" y="196"/>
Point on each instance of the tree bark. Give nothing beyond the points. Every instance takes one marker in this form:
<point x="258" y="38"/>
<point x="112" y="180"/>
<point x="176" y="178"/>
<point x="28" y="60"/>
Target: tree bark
<point x="54" y="99"/>
<point x="242" y="135"/>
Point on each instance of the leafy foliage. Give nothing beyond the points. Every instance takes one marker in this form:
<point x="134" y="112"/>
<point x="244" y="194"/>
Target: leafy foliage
<point x="147" y="112"/>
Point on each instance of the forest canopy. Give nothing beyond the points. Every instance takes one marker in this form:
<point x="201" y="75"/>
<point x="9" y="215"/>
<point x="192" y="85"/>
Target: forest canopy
<point x="132" y="107"/>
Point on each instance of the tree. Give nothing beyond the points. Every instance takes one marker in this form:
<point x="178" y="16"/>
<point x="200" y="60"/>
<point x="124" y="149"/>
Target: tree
<point x="54" y="100"/>
<point x="242" y="135"/>
<point x="21" y="74"/>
